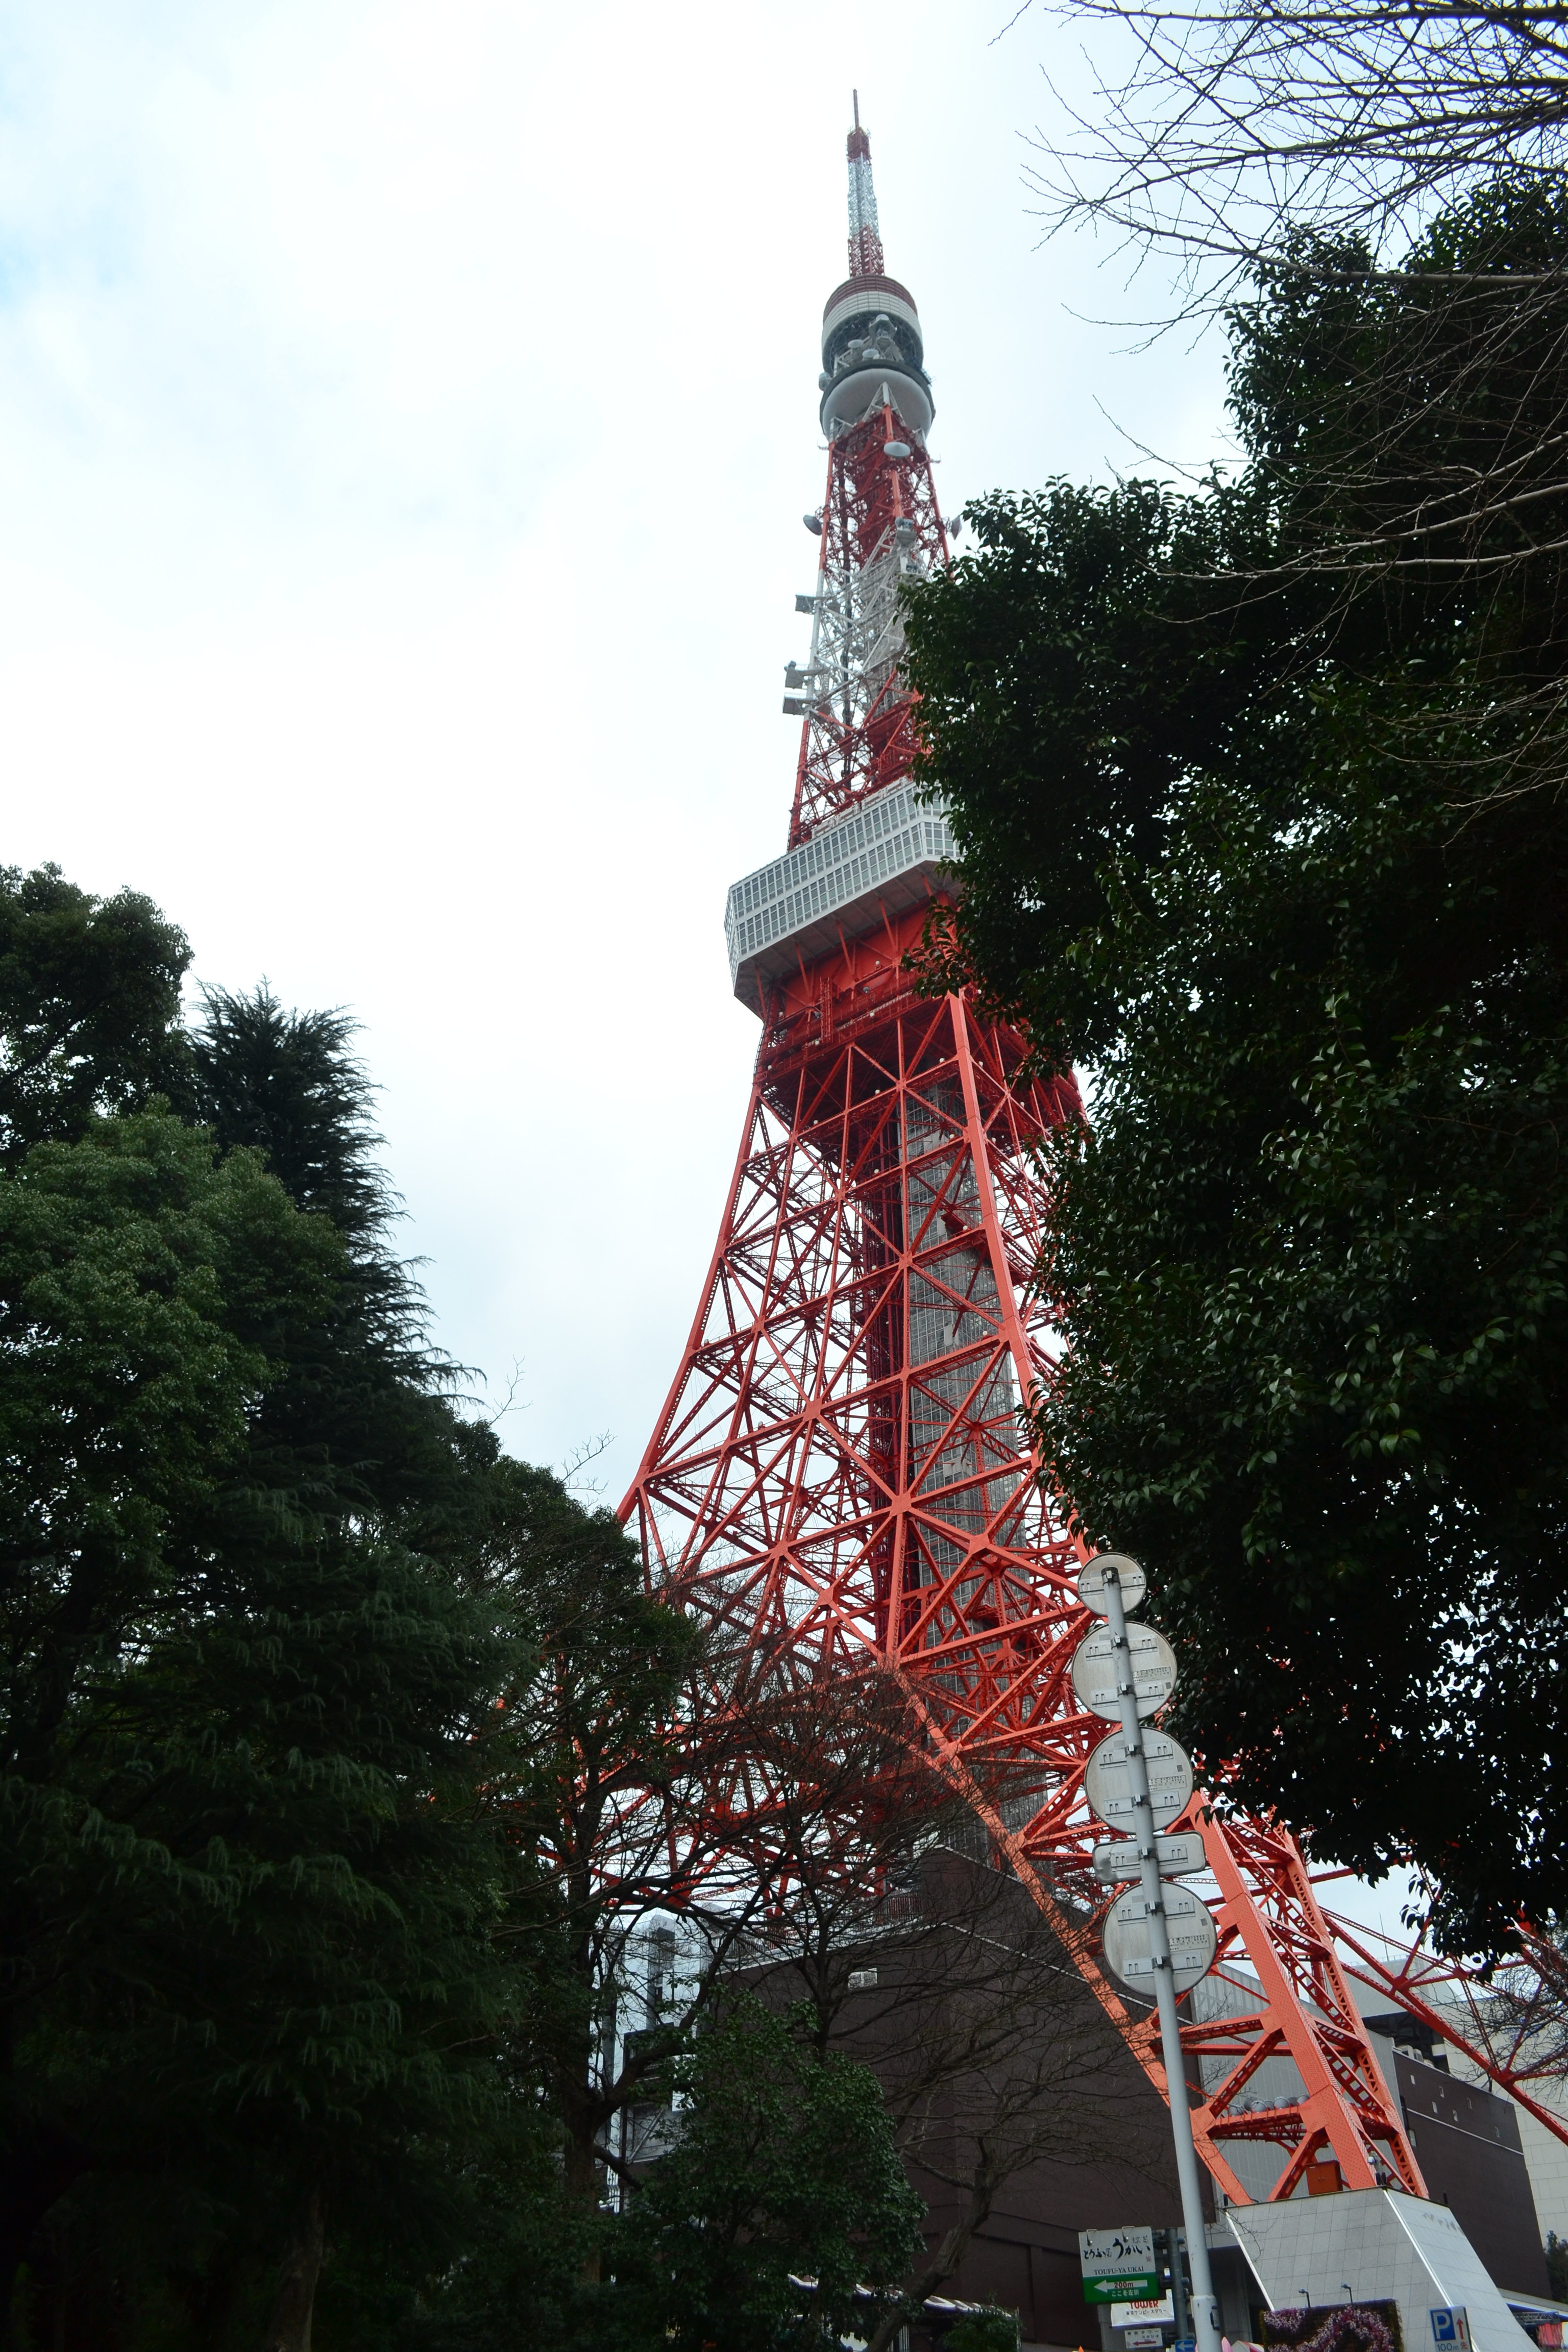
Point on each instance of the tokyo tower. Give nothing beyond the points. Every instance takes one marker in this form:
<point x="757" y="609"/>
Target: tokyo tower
<point x="840" y="1479"/>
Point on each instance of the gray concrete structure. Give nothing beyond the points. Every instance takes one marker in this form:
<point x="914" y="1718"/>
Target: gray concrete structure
<point x="1375" y="2245"/>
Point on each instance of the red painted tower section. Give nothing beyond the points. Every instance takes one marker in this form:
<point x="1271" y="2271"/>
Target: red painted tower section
<point x="840" y="1478"/>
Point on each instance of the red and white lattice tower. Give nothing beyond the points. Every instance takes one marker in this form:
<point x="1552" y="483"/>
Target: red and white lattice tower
<point x="840" y="1478"/>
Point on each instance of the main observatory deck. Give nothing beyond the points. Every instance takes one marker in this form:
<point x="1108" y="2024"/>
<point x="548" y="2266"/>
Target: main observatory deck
<point x="886" y="854"/>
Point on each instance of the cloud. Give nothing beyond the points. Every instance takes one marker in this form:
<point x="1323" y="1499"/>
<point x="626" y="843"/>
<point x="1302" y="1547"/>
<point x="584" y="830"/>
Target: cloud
<point x="405" y="416"/>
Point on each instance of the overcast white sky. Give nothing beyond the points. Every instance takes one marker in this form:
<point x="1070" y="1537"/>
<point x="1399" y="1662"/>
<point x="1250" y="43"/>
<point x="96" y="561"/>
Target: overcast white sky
<point x="406" y="412"/>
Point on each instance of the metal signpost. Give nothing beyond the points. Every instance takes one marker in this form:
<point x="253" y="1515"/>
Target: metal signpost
<point x="1174" y="1855"/>
<point x="1156" y="1933"/>
<point x="1176" y="2251"/>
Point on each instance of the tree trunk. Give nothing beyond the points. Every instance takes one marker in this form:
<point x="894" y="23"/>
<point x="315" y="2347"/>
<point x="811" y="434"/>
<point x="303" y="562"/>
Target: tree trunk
<point x="40" y="2166"/>
<point x="580" y="2176"/>
<point x="951" y="2250"/>
<point x="288" y="2330"/>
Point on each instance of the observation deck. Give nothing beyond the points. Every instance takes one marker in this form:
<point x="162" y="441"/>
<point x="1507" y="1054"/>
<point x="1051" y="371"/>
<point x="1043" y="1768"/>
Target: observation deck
<point x="888" y="854"/>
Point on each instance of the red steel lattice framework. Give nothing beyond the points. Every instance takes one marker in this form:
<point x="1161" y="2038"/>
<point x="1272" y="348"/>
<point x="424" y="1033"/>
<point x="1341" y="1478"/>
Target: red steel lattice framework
<point x="839" y="1478"/>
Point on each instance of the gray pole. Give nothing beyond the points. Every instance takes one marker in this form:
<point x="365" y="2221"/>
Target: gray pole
<point x="1178" y="2282"/>
<point x="1206" y="2319"/>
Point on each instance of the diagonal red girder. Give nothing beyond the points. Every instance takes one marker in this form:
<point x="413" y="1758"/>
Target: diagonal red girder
<point x="842" y="1476"/>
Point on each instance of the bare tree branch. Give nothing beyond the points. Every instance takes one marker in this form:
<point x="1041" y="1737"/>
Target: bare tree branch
<point x="1229" y="124"/>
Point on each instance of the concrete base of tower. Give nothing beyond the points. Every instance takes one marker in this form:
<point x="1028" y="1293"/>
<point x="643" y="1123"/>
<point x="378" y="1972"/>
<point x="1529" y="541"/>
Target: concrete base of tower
<point x="1375" y="2245"/>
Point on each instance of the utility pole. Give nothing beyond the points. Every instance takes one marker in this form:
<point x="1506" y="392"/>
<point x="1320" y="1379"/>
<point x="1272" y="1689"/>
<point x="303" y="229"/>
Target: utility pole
<point x="1205" y="2318"/>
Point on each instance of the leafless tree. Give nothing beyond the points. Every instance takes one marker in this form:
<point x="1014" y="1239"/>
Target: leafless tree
<point x="895" y="1932"/>
<point x="1526" y="2009"/>
<point x="1223" y="126"/>
<point x="1286" y="156"/>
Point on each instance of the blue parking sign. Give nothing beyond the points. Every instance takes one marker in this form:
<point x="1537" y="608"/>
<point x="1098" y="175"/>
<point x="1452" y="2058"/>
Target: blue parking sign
<point x="1448" y="2325"/>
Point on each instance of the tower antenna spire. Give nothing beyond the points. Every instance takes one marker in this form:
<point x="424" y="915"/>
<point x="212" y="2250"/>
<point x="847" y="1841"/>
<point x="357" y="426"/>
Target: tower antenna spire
<point x="865" y="238"/>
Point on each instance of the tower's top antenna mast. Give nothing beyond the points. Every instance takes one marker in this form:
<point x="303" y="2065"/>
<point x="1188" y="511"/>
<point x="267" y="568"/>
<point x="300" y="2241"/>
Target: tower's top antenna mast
<point x="865" y="240"/>
<point x="872" y="355"/>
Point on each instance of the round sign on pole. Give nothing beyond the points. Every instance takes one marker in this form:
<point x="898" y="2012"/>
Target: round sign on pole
<point x="1130" y="1576"/>
<point x="1094" y="1670"/>
<point x="1127" y="1947"/>
<point x="1107" y="1779"/>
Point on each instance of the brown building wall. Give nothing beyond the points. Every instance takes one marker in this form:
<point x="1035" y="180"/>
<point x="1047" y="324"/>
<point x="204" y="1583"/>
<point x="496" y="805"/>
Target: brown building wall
<point x="1103" y="2157"/>
<point x="1468" y="2145"/>
<point x="1112" y="2162"/>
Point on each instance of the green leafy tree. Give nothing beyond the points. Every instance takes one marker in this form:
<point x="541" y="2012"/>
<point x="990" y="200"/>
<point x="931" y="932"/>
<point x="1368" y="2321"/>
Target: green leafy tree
<point x="365" y="1415"/>
<point x="781" y="2217"/>
<point x="250" y="1986"/>
<point x="89" y="1000"/>
<point x="247" y="1898"/>
<point x="1256" y="796"/>
<point x="990" y="2329"/>
<point x="595" y="1797"/>
<point x="1557" y="2265"/>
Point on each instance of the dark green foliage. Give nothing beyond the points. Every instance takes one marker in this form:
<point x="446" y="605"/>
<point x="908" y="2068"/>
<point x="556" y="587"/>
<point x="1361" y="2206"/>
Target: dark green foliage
<point x="361" y="1420"/>
<point x="526" y="2274"/>
<point x="248" y="1899"/>
<point x="984" y="2331"/>
<point x="248" y="1895"/>
<point x="1556" y="2266"/>
<point x="1260" y="803"/>
<point x="288" y="1083"/>
<point x="785" y="2169"/>
<point x="320" y="1723"/>
<point x="90" y="999"/>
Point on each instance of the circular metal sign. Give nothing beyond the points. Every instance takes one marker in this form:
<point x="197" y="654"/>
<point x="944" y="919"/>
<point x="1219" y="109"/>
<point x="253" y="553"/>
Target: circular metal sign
<point x="1130" y="1576"/>
<point x="1128" y="1942"/>
<point x="1094" y="1670"/>
<point x="1107" y="1779"/>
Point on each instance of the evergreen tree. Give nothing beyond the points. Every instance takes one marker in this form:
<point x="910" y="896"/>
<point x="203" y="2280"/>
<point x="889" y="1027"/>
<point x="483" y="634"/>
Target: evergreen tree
<point x="249" y="1978"/>
<point x="248" y="1897"/>
<point x="90" y="1001"/>
<point x="363" y="1415"/>
<point x="290" y="1086"/>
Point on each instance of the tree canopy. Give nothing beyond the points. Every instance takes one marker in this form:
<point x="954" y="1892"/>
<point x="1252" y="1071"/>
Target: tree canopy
<point x="247" y="1957"/>
<point x="338" y="1760"/>
<point x="781" y="2219"/>
<point x="90" y="999"/>
<point x="1258" y="794"/>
